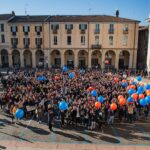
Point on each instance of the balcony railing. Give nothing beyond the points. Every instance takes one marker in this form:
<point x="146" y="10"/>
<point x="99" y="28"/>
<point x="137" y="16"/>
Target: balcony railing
<point x="111" y="31"/>
<point x="125" y="31"/>
<point x="96" y="46"/>
<point x="54" y="31"/>
<point x="38" y="46"/>
<point x="26" y="46"/>
<point x="97" y="31"/>
<point x="14" y="33"/>
<point x="69" y="31"/>
<point x="14" y="45"/>
<point x="82" y="32"/>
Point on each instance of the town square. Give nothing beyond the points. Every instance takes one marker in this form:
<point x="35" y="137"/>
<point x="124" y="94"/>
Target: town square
<point x="74" y="78"/>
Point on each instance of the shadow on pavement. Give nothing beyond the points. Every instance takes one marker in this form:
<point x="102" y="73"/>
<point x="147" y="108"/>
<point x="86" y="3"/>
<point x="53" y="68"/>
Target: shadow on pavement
<point x="2" y="147"/>
<point x="17" y="137"/>
<point x="35" y="129"/>
<point x="73" y="137"/>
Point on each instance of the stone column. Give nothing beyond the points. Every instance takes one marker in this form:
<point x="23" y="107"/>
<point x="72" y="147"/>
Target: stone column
<point x="131" y="60"/>
<point x="135" y="58"/>
<point x="45" y="58"/>
<point x="33" y="59"/>
<point x="89" y="59"/>
<point x="148" y="52"/>
<point x="22" y="58"/>
<point x="76" y="63"/>
<point x="10" y="59"/>
<point x="103" y="59"/>
<point x="49" y="59"/>
<point x="62" y="58"/>
<point x="0" y="60"/>
<point x="117" y="59"/>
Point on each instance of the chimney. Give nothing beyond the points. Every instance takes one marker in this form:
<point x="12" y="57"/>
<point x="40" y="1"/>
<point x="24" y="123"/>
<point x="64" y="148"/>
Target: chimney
<point x="117" y="13"/>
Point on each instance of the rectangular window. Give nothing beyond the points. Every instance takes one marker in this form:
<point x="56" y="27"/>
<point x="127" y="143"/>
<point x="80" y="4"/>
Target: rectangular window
<point x="3" y="38"/>
<point x="2" y="27"/>
<point x="38" y="41"/>
<point x="55" y="26"/>
<point x="97" y="40"/>
<point x="82" y="40"/>
<point x="97" y="28"/>
<point x="111" y="28"/>
<point x="14" y="41"/>
<point x="125" y="40"/>
<point x="26" y="29"/>
<point x="82" y="26"/>
<point x="26" y="41"/>
<point x="69" y="26"/>
<point x="38" y="28"/>
<point x="55" y="40"/>
<point x="68" y="40"/>
<point x="110" y="40"/>
<point x="14" y="29"/>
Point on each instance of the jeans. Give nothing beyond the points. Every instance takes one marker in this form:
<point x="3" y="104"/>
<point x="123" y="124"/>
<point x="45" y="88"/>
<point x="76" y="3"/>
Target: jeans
<point x="111" y="120"/>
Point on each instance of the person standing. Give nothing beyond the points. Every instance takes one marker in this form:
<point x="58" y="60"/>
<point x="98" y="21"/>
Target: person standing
<point x="50" y="117"/>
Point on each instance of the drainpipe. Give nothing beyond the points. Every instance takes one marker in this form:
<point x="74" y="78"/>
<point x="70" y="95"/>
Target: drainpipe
<point x="134" y="44"/>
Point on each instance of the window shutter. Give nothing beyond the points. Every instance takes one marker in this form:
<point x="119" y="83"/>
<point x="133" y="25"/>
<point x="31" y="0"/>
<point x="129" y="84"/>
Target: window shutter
<point x="28" y="40"/>
<point x="66" y="26"/>
<point x="40" y="28"/>
<point x="16" y="40"/>
<point x="11" y="40"/>
<point x="80" y="26"/>
<point x="35" y="41"/>
<point x="28" y="29"/>
<point x="11" y="28"/>
<point x="23" y="28"/>
<point x="85" y="26"/>
<point x="24" y="41"/>
<point x="16" y="29"/>
<point x="35" y="29"/>
<point x="57" y="26"/>
<point x="71" y="26"/>
<point x="52" y="27"/>
<point x="41" y="41"/>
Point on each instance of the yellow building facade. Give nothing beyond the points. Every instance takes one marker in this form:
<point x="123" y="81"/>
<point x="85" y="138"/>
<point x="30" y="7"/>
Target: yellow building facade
<point x="74" y="41"/>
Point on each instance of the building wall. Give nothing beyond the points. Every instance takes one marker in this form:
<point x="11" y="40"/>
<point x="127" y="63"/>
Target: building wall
<point x="48" y="46"/>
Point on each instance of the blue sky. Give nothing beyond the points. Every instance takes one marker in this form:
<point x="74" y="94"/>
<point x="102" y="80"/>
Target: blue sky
<point x="134" y="9"/>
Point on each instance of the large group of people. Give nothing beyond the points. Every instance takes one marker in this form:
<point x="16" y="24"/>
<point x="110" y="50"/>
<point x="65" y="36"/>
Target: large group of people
<point x="40" y="97"/>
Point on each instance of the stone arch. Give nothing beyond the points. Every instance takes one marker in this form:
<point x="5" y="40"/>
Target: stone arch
<point x="4" y="58"/>
<point x="83" y="58"/>
<point x="69" y="58"/>
<point x="110" y="58"/>
<point x="39" y="56"/>
<point x="27" y="58"/>
<point x="124" y="58"/>
<point x="96" y="58"/>
<point x="55" y="58"/>
<point x="16" y="58"/>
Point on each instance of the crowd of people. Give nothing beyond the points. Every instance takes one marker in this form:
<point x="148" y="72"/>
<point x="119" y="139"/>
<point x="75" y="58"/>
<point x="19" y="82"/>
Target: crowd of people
<point x="41" y="98"/>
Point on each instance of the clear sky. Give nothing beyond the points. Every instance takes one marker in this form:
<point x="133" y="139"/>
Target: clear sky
<point x="134" y="9"/>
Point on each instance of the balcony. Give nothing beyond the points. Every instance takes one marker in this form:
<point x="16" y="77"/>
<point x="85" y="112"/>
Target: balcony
<point x="82" y="32"/>
<point x="111" y="31"/>
<point x="38" y="46"/>
<point x="55" y="31"/>
<point x="96" y="31"/>
<point x="26" y="46"/>
<point x="96" y="46"/>
<point x="14" y="33"/>
<point x="125" y="31"/>
<point x="14" y="45"/>
<point x="69" y="31"/>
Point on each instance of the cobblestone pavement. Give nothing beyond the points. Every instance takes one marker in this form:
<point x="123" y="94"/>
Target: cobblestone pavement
<point x="30" y="132"/>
